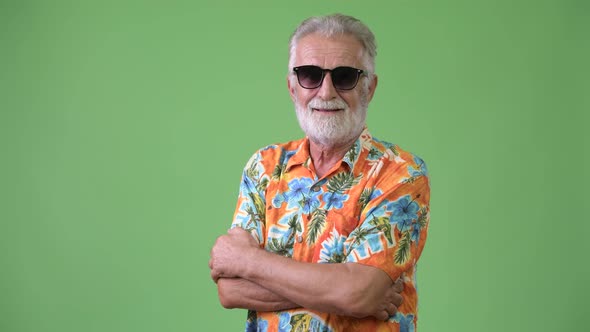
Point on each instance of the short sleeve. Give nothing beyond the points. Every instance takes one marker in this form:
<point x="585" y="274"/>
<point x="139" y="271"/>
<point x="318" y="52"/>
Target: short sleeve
<point x="250" y="211"/>
<point x="394" y="223"/>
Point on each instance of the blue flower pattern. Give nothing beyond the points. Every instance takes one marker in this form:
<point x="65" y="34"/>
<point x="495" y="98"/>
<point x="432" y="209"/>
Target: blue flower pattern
<point x="406" y="322"/>
<point x="333" y="246"/>
<point x="405" y="210"/>
<point x="335" y="200"/>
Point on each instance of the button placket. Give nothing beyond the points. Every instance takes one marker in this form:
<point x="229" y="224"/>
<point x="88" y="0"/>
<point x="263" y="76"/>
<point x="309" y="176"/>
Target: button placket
<point x="298" y="245"/>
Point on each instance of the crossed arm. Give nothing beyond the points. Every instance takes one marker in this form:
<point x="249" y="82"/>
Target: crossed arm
<point x="245" y="294"/>
<point x="252" y="278"/>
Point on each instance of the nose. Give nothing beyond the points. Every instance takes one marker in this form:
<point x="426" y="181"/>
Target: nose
<point x="327" y="90"/>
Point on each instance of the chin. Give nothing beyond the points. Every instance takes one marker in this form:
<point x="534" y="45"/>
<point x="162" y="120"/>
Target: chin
<point x="332" y="129"/>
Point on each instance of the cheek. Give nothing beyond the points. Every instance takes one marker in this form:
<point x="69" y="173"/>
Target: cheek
<point x="304" y="96"/>
<point x="351" y="100"/>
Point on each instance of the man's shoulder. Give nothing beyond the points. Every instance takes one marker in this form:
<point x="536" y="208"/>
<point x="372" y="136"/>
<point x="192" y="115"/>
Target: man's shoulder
<point x="395" y="152"/>
<point x="277" y="153"/>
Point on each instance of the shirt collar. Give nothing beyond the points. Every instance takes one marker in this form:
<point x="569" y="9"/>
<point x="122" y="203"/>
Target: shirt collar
<point x="303" y="157"/>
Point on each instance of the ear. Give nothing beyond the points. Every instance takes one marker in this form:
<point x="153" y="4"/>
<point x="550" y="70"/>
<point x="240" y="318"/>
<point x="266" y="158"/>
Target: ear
<point x="291" y="88"/>
<point x="372" y="87"/>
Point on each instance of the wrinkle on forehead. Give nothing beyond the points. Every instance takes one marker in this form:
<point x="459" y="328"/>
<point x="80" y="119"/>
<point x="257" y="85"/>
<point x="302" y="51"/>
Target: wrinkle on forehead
<point x="330" y="52"/>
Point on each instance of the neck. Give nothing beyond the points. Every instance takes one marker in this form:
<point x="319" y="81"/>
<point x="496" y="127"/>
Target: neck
<point x="324" y="157"/>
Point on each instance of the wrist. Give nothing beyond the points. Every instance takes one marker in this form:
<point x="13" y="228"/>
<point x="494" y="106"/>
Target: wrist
<point x="251" y="262"/>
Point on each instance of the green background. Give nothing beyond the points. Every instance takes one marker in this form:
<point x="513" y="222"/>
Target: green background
<point x="124" y="127"/>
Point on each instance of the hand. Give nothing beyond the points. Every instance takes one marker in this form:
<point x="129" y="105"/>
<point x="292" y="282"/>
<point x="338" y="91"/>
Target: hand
<point x="230" y="253"/>
<point x="391" y="301"/>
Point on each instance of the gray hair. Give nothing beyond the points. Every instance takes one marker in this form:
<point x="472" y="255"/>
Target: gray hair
<point x="333" y="25"/>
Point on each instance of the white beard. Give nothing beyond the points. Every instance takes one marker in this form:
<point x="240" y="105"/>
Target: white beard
<point x="334" y="129"/>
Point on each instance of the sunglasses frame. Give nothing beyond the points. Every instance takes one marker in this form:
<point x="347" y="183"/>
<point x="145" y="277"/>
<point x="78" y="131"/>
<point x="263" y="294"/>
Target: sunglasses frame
<point x="359" y="72"/>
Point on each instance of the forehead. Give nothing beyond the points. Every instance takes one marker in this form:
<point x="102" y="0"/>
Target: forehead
<point x="329" y="52"/>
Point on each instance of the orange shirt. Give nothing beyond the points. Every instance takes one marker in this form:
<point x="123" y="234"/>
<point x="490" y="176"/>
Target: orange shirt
<point x="372" y="208"/>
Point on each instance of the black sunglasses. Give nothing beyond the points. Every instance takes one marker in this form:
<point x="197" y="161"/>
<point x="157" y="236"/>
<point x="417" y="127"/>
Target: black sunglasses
<point x="343" y="78"/>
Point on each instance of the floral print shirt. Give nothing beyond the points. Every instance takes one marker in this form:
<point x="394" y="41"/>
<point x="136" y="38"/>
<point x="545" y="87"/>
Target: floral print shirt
<point x="372" y="208"/>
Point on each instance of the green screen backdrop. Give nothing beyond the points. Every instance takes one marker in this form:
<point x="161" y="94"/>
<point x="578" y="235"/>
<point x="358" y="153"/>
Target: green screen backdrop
<point x="124" y="127"/>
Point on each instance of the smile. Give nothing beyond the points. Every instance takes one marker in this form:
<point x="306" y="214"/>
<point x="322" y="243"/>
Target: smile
<point x="326" y="110"/>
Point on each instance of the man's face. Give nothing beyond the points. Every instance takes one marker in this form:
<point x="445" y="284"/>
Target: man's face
<point x="328" y="116"/>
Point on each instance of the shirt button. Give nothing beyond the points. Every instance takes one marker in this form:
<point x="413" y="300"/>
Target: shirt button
<point x="316" y="189"/>
<point x="299" y="238"/>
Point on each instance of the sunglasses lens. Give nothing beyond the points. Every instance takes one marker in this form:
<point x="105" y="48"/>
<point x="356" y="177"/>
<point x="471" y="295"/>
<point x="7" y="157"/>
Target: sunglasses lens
<point x="310" y="77"/>
<point x="345" y="78"/>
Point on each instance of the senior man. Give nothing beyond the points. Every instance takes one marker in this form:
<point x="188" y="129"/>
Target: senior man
<point x="327" y="229"/>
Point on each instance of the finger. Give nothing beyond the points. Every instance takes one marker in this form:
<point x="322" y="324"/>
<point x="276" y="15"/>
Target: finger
<point x="391" y="309"/>
<point x="398" y="286"/>
<point x="214" y="276"/>
<point x="397" y="299"/>
<point x="382" y="315"/>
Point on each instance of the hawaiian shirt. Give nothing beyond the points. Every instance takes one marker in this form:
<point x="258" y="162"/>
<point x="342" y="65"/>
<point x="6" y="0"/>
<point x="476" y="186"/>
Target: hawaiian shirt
<point x="371" y="208"/>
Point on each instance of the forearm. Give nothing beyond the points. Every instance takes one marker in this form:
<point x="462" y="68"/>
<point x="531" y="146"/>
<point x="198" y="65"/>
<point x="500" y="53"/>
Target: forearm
<point x="349" y="289"/>
<point x="245" y="294"/>
<point x="317" y="286"/>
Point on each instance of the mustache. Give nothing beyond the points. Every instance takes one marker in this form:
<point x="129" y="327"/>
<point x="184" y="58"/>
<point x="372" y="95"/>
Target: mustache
<point x="327" y="104"/>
